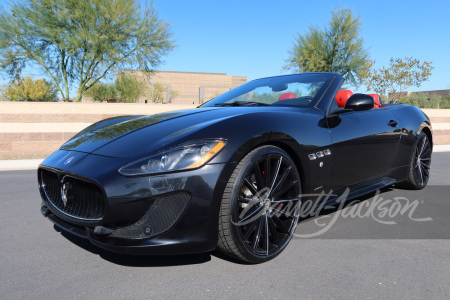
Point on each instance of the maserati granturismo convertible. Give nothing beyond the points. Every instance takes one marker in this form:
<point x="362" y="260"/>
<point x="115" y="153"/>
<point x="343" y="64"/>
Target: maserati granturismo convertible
<point x="232" y="173"/>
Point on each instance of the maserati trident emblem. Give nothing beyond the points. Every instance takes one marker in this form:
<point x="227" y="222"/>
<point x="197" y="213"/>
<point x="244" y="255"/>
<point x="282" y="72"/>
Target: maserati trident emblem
<point x="65" y="190"/>
<point x="69" y="160"/>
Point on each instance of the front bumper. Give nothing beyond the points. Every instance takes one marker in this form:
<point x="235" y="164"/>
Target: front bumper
<point x="153" y="246"/>
<point x="173" y="213"/>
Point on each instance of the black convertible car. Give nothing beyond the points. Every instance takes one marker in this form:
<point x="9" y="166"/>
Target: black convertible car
<point x="231" y="173"/>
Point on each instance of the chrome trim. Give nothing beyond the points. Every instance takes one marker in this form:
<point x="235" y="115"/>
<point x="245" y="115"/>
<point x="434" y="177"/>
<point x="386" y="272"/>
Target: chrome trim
<point x="59" y="210"/>
<point x="312" y="156"/>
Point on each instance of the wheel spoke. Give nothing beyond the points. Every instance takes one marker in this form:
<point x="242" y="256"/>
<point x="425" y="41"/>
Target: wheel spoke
<point x="424" y="165"/>
<point x="423" y="146"/>
<point x="267" y="171"/>
<point x="281" y="212"/>
<point x="420" y="173"/>
<point x="425" y="159"/>
<point x="277" y="170"/>
<point x="296" y="216"/>
<point x="250" y="230"/>
<point x="258" y="176"/>
<point x="266" y="223"/>
<point x="250" y="186"/>
<point x="248" y="201"/>
<point x="426" y="169"/>
<point x="258" y="235"/>
<point x="273" y="230"/>
<point x="286" y="200"/>
<point x="426" y="153"/>
<point x="285" y="189"/>
<point x="282" y="179"/>
<point x="257" y="210"/>
<point x="280" y="224"/>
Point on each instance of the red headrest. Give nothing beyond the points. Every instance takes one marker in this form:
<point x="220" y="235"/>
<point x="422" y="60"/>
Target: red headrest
<point x="286" y="96"/>
<point x="376" y="99"/>
<point x="342" y="97"/>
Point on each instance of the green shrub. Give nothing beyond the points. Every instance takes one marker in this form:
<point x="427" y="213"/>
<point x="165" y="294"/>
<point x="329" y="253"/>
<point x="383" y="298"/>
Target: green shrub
<point x="125" y="89"/>
<point x="129" y="88"/>
<point x="28" y="89"/>
<point x="102" y="92"/>
<point x="160" y="93"/>
<point x="426" y="101"/>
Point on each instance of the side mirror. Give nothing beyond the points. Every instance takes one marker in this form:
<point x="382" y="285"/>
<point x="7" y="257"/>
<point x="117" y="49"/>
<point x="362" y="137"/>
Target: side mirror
<point x="360" y="102"/>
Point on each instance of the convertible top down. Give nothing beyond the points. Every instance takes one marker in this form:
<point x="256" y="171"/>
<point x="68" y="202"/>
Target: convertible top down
<point x="231" y="173"/>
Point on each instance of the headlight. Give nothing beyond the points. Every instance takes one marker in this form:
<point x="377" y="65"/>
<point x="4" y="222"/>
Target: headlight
<point x="188" y="156"/>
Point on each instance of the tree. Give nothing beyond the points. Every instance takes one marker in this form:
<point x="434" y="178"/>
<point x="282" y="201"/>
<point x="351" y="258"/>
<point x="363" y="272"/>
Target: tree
<point x="129" y="88"/>
<point x="81" y="41"/>
<point x="336" y="48"/>
<point x="160" y="92"/>
<point x="398" y="77"/>
<point x="27" y="89"/>
<point x="102" y="92"/>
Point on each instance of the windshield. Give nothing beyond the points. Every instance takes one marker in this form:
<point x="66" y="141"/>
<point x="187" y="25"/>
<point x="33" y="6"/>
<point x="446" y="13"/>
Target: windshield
<point x="299" y="90"/>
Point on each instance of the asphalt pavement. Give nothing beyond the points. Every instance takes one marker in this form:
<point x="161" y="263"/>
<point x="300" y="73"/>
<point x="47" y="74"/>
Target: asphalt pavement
<point x="358" y="257"/>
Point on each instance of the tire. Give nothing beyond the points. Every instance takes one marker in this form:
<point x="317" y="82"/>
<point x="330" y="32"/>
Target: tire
<point x="419" y="167"/>
<point x="260" y="206"/>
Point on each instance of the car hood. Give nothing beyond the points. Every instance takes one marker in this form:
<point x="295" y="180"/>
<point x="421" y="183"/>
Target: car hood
<point x="137" y="136"/>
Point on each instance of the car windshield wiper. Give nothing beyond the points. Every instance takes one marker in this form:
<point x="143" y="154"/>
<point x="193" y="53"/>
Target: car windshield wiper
<point x="242" y="103"/>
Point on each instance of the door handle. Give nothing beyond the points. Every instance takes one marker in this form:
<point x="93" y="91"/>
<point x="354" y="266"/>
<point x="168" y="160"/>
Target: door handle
<point x="392" y="123"/>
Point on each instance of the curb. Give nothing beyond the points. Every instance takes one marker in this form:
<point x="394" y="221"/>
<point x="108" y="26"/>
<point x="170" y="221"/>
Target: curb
<point x="441" y="148"/>
<point x="20" y="164"/>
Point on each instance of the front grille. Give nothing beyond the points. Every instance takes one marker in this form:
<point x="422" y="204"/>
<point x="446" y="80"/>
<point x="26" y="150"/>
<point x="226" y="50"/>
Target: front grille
<point x="71" y="196"/>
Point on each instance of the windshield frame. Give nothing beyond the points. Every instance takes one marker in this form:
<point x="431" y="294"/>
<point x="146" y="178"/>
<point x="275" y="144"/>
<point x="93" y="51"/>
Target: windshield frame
<point x="224" y="99"/>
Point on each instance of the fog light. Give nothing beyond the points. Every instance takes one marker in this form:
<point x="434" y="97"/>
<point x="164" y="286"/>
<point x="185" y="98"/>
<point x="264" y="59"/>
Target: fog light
<point x="159" y="182"/>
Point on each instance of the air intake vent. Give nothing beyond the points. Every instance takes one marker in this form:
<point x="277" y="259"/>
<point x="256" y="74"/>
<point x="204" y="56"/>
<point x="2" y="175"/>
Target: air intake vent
<point x="72" y="197"/>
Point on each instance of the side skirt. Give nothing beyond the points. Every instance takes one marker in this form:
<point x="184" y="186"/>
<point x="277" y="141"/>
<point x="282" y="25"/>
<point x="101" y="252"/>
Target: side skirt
<point x="358" y="190"/>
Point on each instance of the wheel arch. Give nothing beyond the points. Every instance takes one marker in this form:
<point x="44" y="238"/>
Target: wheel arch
<point x="278" y="139"/>
<point x="429" y="134"/>
<point x="292" y="154"/>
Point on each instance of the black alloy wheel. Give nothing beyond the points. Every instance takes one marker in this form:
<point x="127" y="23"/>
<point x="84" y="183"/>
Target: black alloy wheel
<point x="260" y="206"/>
<point x="419" y="171"/>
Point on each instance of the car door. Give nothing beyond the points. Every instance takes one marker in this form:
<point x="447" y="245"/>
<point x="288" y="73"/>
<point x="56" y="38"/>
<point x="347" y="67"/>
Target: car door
<point x="364" y="144"/>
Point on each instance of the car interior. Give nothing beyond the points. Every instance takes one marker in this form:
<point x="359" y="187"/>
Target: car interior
<point x="341" y="98"/>
<point x="343" y="95"/>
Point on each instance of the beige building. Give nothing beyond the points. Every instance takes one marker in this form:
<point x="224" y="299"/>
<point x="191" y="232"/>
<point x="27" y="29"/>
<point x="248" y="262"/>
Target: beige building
<point x="441" y="93"/>
<point x="189" y="87"/>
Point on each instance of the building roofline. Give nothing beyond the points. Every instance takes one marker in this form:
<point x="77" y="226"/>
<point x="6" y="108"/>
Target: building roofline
<point x="432" y="91"/>
<point x="192" y="72"/>
<point x="157" y="71"/>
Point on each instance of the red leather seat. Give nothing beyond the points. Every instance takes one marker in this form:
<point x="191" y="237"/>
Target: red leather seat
<point x="376" y="98"/>
<point x="286" y="96"/>
<point x="342" y="97"/>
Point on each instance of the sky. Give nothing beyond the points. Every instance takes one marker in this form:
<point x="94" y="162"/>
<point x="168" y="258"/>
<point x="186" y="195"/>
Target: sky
<point x="252" y="38"/>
